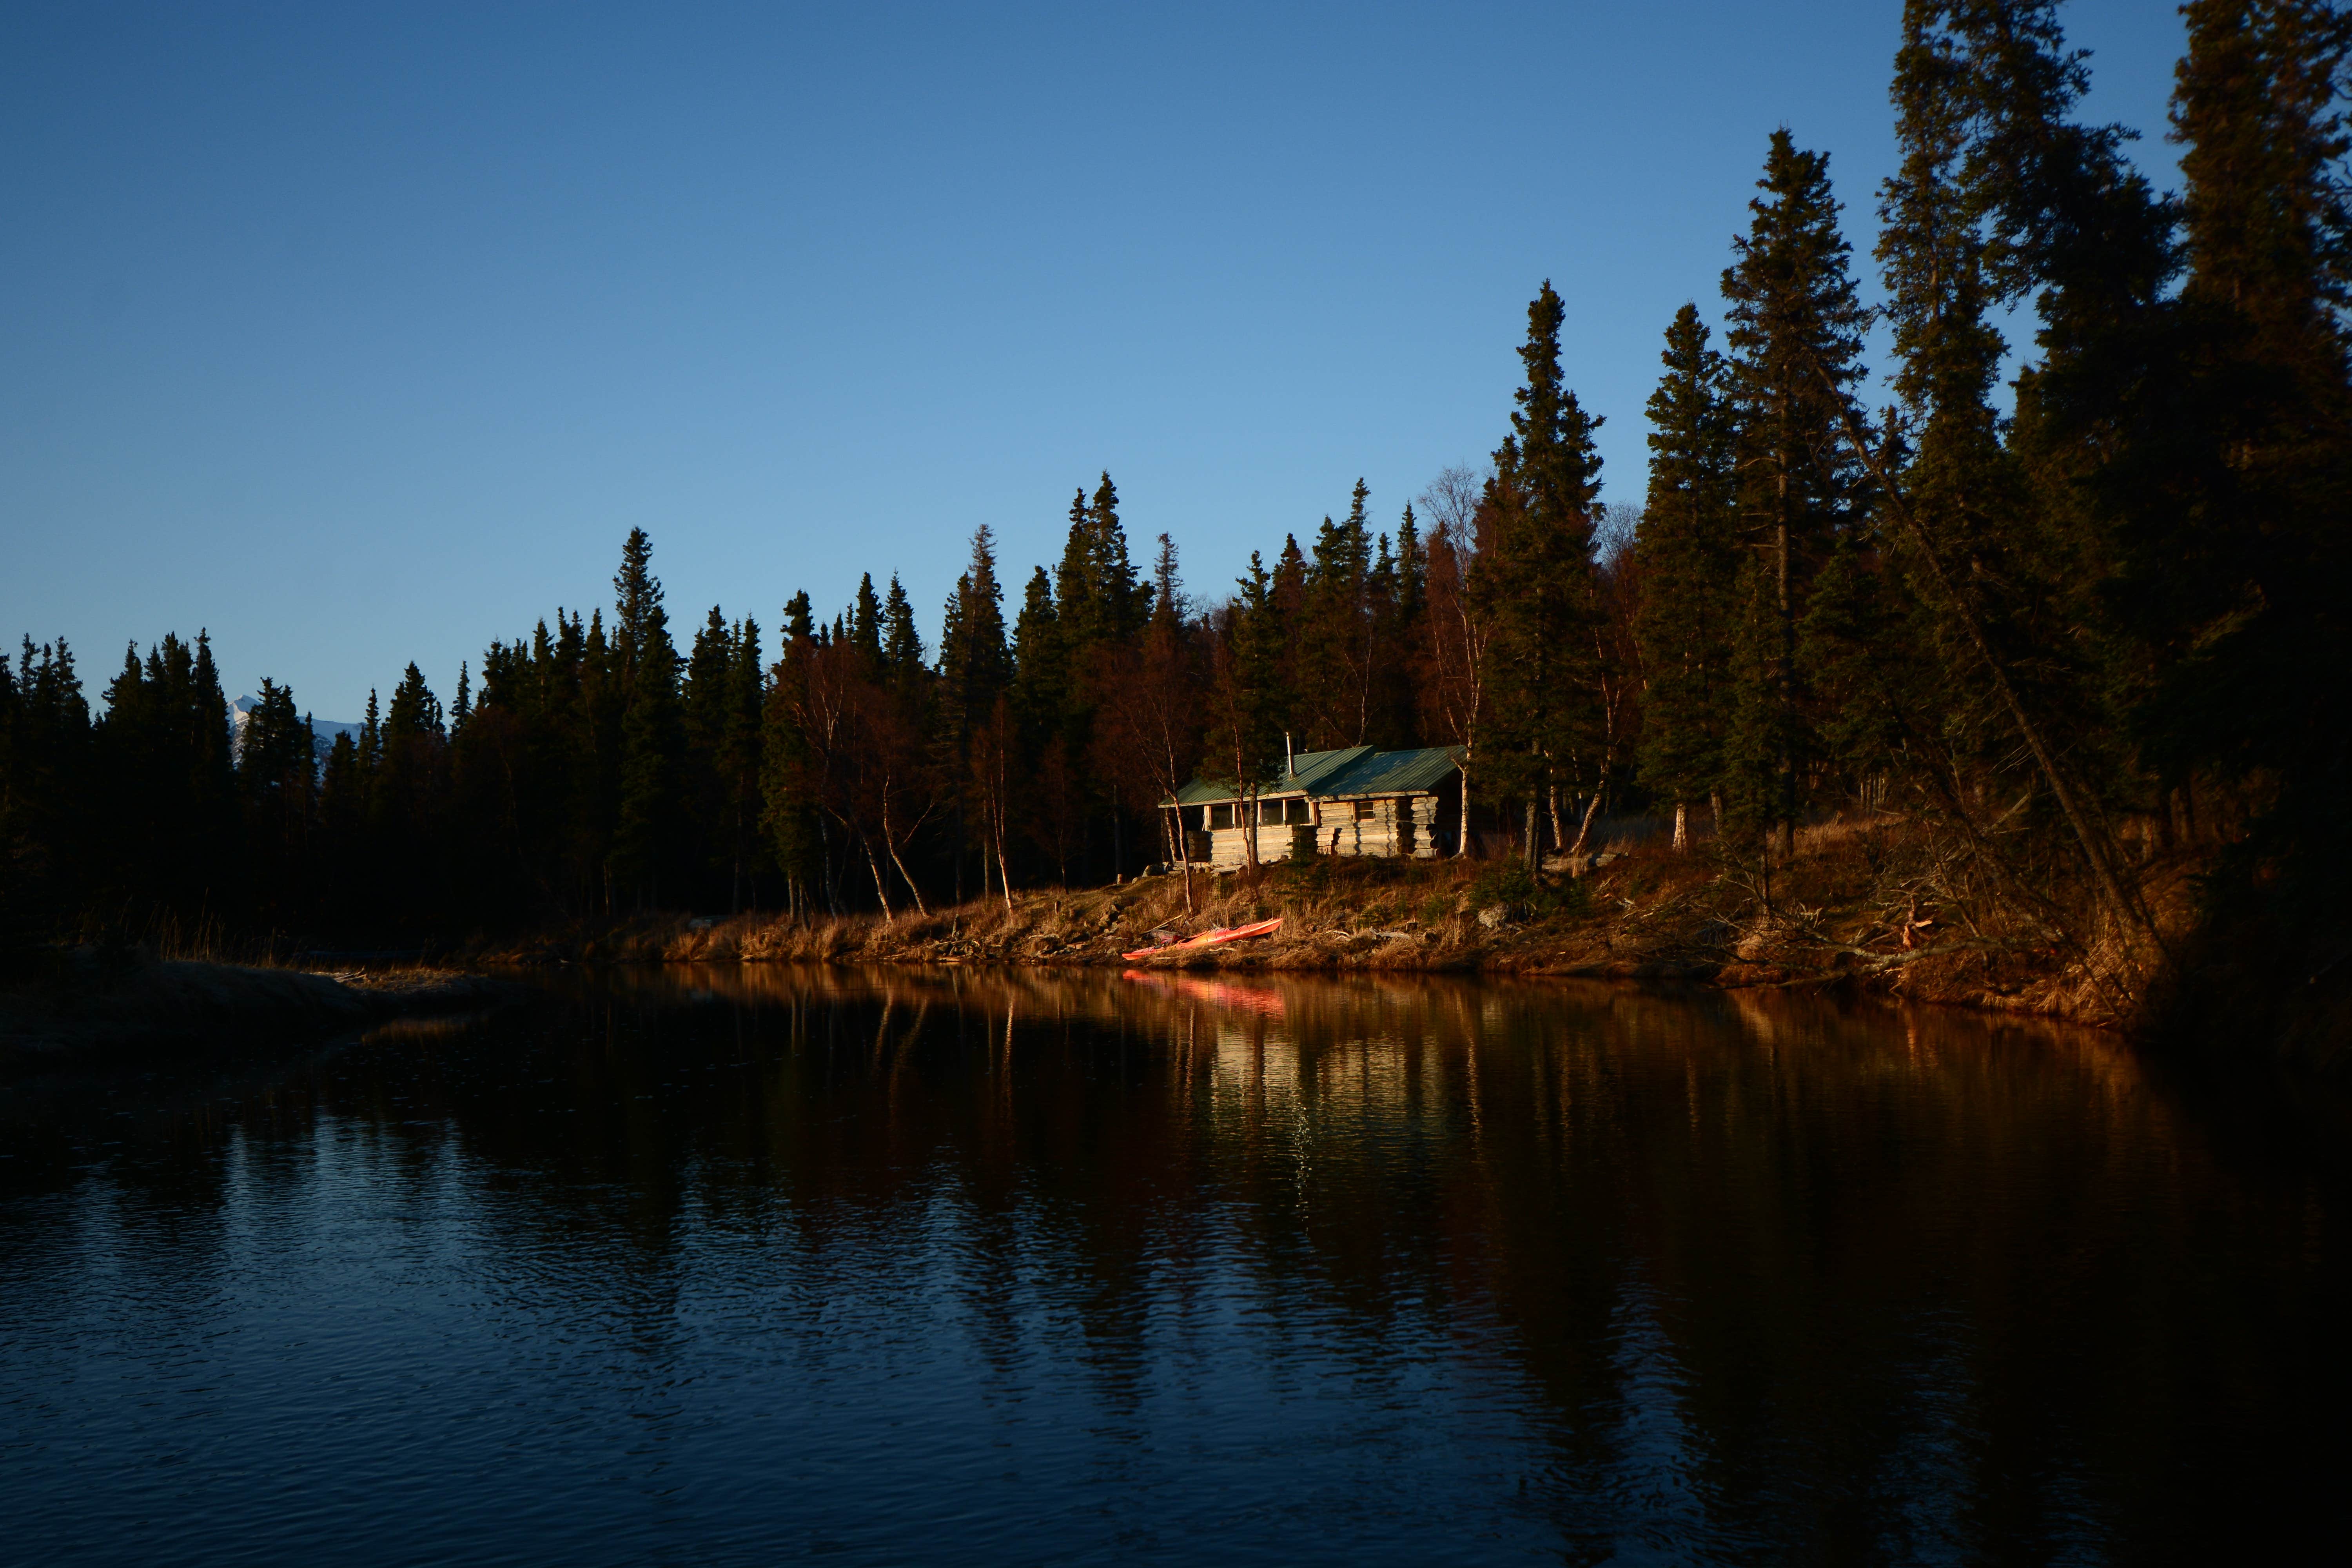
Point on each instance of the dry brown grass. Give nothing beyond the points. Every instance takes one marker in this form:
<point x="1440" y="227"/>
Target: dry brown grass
<point x="1882" y="904"/>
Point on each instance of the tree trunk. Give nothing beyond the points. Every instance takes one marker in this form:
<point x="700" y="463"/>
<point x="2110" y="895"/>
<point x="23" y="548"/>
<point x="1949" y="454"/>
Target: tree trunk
<point x="1462" y="836"/>
<point x="1004" y="878"/>
<point x="1682" y="824"/>
<point x="891" y="844"/>
<point x="1784" y="763"/>
<point x="1584" y="828"/>
<point x="881" y="888"/>
<point x="1183" y="852"/>
<point x="1784" y="697"/>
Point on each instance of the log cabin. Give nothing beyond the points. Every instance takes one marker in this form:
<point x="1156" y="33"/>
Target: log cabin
<point x="1352" y="801"/>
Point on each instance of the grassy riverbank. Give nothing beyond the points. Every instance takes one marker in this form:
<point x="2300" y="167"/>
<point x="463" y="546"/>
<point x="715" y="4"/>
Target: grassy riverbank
<point x="1881" y="908"/>
<point x="87" y="998"/>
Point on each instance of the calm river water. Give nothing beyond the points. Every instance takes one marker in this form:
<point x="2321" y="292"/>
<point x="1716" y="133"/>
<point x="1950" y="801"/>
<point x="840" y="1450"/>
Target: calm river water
<point x="744" y="1266"/>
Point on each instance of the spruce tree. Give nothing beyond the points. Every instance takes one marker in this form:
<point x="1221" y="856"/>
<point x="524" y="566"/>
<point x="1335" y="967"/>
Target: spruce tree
<point x="975" y="668"/>
<point x="1337" y="632"/>
<point x="976" y="663"/>
<point x="415" y="714"/>
<point x="162" y="757"/>
<point x="652" y="739"/>
<point x="706" y="704"/>
<point x="1098" y="598"/>
<point x="708" y="687"/>
<point x="341" y="852"/>
<point x="2236" y="592"/>
<point x="2268" y="240"/>
<point x="1399" y="638"/>
<point x="789" y="818"/>
<point x="739" y="763"/>
<point x="1040" y="680"/>
<point x="1690" y="557"/>
<point x="1099" y="606"/>
<point x="1795" y="326"/>
<point x="1883" y="635"/>
<point x="902" y="643"/>
<point x="371" y="741"/>
<point x="2104" y="442"/>
<point x="1537" y="583"/>
<point x="212" y="785"/>
<point x="1250" y="696"/>
<point x="46" y="800"/>
<point x="276" y="781"/>
<point x="864" y="629"/>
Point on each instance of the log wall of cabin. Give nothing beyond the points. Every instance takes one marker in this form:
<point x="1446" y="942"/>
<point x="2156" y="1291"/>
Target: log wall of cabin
<point x="1227" y="846"/>
<point x="1338" y="831"/>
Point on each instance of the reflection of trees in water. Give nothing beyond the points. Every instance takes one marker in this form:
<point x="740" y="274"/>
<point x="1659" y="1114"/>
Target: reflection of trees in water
<point x="1798" y="1267"/>
<point x="1749" y="1260"/>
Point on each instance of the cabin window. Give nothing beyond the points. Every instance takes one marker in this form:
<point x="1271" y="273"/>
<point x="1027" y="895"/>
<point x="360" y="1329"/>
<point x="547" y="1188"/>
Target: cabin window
<point x="1221" y="816"/>
<point x="1297" y="813"/>
<point x="1363" y="811"/>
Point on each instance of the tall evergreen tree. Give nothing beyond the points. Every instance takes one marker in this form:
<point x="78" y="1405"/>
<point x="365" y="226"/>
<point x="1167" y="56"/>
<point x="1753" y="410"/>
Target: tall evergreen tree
<point x="902" y="643"/>
<point x="1690" y="557"/>
<point x="1969" y="580"/>
<point x="1336" y="631"/>
<point x="739" y="763"/>
<point x="44" y="798"/>
<point x="163" y="757"/>
<point x="2268" y="239"/>
<point x="1251" y="698"/>
<point x="789" y="816"/>
<point x="975" y="669"/>
<point x="865" y="630"/>
<point x="1040" y="671"/>
<point x="1795" y="326"/>
<point x="1399" y="639"/>
<point x="1099" y="600"/>
<point x="706" y="710"/>
<point x="277" y="775"/>
<point x="975" y="661"/>
<point x="2098" y="433"/>
<point x="652" y="729"/>
<point x="2236" y="594"/>
<point x="1537" y="583"/>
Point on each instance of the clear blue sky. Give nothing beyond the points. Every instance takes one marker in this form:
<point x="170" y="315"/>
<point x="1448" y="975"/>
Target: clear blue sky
<point x="362" y="335"/>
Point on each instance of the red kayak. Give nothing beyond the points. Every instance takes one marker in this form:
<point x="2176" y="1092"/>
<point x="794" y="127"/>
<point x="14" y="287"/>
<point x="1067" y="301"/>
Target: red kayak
<point x="1217" y="938"/>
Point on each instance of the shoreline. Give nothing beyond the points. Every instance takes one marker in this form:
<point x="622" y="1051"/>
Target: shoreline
<point x="130" y="1005"/>
<point x="1649" y="917"/>
<point x="1868" y="909"/>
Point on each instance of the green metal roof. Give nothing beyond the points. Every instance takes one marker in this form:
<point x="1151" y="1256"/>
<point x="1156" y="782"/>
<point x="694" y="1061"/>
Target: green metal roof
<point x="1349" y="771"/>
<point x="1393" y="772"/>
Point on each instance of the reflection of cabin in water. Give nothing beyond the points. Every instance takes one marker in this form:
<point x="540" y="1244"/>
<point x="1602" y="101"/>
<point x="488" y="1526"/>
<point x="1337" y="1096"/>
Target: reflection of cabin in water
<point x="1353" y="801"/>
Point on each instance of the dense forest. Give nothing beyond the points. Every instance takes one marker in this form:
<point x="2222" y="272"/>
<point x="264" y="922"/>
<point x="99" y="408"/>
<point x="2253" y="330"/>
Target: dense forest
<point x="2073" y="603"/>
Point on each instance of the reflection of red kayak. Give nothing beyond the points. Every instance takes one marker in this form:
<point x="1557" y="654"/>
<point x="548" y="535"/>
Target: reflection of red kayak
<point x="1217" y="938"/>
<point x="1216" y="992"/>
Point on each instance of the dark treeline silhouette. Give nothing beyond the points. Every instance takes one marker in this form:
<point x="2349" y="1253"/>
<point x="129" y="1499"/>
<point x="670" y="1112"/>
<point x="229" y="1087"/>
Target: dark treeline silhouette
<point x="2080" y="633"/>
